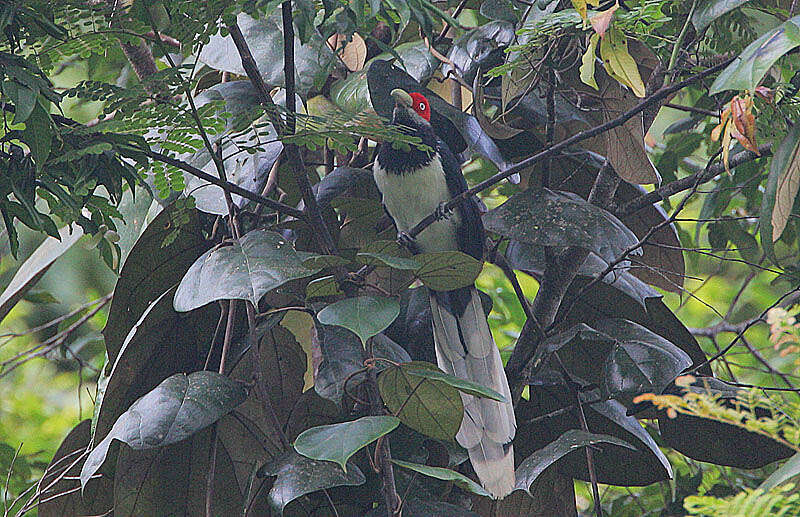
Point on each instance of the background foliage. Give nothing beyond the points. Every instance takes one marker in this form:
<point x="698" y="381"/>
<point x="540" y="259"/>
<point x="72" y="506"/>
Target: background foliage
<point x="273" y="360"/>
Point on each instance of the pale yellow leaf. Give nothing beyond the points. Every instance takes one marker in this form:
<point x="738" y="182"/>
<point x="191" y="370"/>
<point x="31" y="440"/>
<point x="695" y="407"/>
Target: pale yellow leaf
<point x="301" y="324"/>
<point x="587" y="62"/>
<point x="618" y="62"/>
<point x="580" y="6"/>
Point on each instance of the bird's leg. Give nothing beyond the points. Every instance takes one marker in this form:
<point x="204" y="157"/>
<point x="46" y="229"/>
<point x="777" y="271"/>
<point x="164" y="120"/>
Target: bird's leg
<point x="442" y="211"/>
<point x="408" y="242"/>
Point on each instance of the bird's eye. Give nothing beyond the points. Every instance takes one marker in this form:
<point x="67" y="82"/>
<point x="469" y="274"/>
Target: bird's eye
<point x="422" y="106"/>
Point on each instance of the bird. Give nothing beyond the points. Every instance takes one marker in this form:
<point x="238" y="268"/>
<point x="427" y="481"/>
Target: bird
<point x="414" y="182"/>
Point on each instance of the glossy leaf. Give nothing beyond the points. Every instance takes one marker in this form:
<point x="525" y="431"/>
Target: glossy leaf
<point x="314" y="61"/>
<point x="749" y="67"/>
<point x="342" y="356"/>
<point x="458" y="383"/>
<point x="259" y="262"/>
<point x="479" y="48"/>
<point x="709" y="10"/>
<point x="568" y="442"/>
<point x="781" y="189"/>
<point x="431" y="407"/>
<point x="551" y="218"/>
<point x="298" y="476"/>
<point x="173" y="411"/>
<point x="366" y="316"/>
<point x="459" y="479"/>
<point x="338" y="442"/>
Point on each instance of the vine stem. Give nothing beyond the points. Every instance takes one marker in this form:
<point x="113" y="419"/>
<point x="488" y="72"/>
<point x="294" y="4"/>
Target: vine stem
<point x="676" y="49"/>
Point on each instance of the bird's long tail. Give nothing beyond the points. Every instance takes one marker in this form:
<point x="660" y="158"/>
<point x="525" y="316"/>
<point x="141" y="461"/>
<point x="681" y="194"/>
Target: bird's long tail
<point x="464" y="348"/>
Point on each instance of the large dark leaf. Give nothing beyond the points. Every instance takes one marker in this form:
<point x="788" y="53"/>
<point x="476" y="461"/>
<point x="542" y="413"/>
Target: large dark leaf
<point x="459" y="130"/>
<point x="259" y="262"/>
<point x="173" y="411"/>
<point x="365" y="316"/>
<point x="710" y="10"/>
<point x="247" y="170"/>
<point x="162" y="342"/>
<point x="749" y="67"/>
<point x="447" y="270"/>
<point x="720" y="443"/>
<point x="567" y="443"/>
<point x="314" y="61"/>
<point x="457" y="478"/>
<point x="59" y="497"/>
<point x="553" y="494"/>
<point x="481" y="47"/>
<point x="550" y="218"/>
<point x="342" y="356"/>
<point x="150" y="269"/>
<point x="342" y="180"/>
<point x="172" y="480"/>
<point x="614" y="465"/>
<point x="432" y="407"/>
<point x="338" y="442"/>
<point x="298" y="475"/>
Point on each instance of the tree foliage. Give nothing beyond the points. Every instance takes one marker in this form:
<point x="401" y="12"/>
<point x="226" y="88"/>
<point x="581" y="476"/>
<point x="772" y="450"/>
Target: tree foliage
<point x="268" y="346"/>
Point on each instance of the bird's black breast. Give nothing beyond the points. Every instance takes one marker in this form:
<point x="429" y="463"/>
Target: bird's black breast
<point x="403" y="161"/>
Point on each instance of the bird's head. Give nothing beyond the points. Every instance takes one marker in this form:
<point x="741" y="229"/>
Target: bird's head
<point x="411" y="109"/>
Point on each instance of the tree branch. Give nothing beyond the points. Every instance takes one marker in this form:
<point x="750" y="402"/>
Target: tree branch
<point x="665" y="191"/>
<point x="662" y="93"/>
<point x="227" y="186"/>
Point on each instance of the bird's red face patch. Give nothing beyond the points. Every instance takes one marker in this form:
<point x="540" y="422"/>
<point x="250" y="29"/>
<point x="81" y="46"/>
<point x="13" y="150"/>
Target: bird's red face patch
<point x="421" y="106"/>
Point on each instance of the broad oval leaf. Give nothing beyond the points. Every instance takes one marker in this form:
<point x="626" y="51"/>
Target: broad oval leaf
<point x="432" y="407"/>
<point x="314" y="61"/>
<point x="710" y="10"/>
<point x="552" y="218"/>
<point x="366" y="316"/>
<point x="459" y="479"/>
<point x="298" y="476"/>
<point x="781" y="190"/>
<point x="258" y="262"/>
<point x="640" y="361"/>
<point x="749" y="67"/>
<point x="338" y="442"/>
<point x="177" y="408"/>
<point x="447" y="270"/>
<point x="463" y="385"/>
<point x="568" y="442"/>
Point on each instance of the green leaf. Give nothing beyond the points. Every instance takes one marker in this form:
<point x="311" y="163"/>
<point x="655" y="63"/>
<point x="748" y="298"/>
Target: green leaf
<point x="23" y="98"/>
<point x="343" y="357"/>
<point x="552" y="218"/>
<point x="366" y="316"/>
<point x="298" y="475"/>
<point x="784" y="473"/>
<point x="314" y="61"/>
<point x="587" y="62"/>
<point x="459" y="479"/>
<point x="447" y="270"/>
<point x="570" y="441"/>
<point x="618" y="61"/>
<point x="432" y="407"/>
<point x="258" y="262"/>
<point x="386" y="253"/>
<point x="322" y="261"/>
<point x="463" y="385"/>
<point x="176" y="409"/>
<point x="709" y="10"/>
<point x="38" y="134"/>
<point x="749" y="67"/>
<point x="36" y="266"/>
<point x="780" y="191"/>
<point x="322" y="287"/>
<point x="338" y="442"/>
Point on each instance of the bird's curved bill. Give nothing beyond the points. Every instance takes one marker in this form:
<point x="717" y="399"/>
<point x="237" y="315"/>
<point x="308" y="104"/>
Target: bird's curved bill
<point x="401" y="97"/>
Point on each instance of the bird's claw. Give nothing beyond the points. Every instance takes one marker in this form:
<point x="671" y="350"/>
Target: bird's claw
<point x="442" y="211"/>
